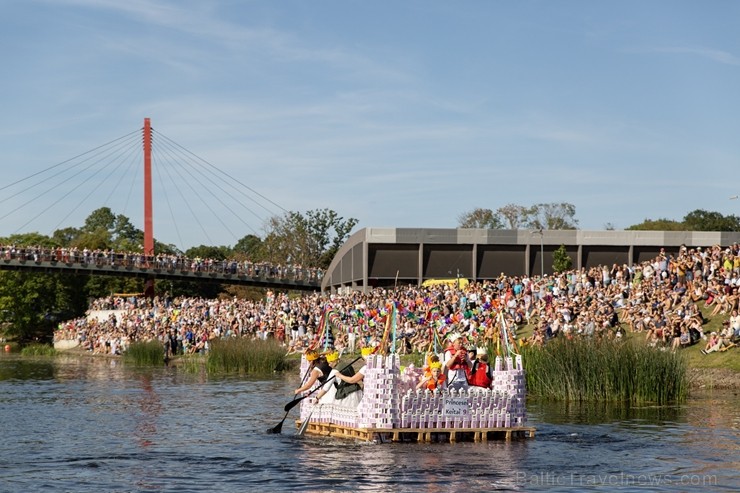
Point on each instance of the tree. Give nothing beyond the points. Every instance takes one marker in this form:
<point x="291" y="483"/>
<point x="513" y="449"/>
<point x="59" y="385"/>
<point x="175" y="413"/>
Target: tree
<point x="516" y="215"/>
<point x="103" y="229"/>
<point x="100" y="219"/>
<point x="697" y="220"/>
<point x="249" y="246"/>
<point x="212" y="252"/>
<point x="561" y="261"/>
<point x="33" y="303"/>
<point x="310" y="240"/>
<point x="480" y="218"/>
<point x="701" y="220"/>
<point x="29" y="239"/>
<point x="553" y="216"/>
<point x="658" y="225"/>
<point x="66" y="236"/>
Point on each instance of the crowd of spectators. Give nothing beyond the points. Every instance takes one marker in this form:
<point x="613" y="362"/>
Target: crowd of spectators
<point x="167" y="262"/>
<point x="662" y="299"/>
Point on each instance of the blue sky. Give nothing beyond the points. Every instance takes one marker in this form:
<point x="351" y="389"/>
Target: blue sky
<point x="400" y="114"/>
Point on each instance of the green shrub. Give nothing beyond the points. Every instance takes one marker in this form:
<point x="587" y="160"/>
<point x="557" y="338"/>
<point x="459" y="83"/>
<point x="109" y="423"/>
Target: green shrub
<point x="605" y="370"/>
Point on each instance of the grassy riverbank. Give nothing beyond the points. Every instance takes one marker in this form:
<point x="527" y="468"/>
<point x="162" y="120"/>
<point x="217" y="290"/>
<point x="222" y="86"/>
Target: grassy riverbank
<point x="605" y="370"/>
<point x="719" y="370"/>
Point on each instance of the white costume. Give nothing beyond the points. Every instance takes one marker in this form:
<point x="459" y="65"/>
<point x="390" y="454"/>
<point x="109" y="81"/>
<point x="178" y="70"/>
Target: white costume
<point x="330" y="387"/>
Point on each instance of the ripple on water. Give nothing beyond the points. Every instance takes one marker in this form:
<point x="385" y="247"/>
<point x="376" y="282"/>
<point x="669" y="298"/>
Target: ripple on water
<point x="90" y="427"/>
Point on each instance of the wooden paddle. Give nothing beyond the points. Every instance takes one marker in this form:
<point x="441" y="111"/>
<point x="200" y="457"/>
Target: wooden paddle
<point x="304" y="425"/>
<point x="279" y="427"/>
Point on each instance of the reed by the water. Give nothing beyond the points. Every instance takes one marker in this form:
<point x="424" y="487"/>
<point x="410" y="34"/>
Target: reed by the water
<point x="244" y="355"/>
<point x="38" y="350"/>
<point x="145" y="353"/>
<point x="605" y="370"/>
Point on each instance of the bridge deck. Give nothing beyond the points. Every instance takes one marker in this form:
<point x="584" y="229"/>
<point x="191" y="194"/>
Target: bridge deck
<point x="264" y="279"/>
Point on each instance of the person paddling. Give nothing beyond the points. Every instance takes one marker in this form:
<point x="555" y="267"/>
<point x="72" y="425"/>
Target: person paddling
<point x="319" y="370"/>
<point x="357" y="377"/>
<point x="336" y="391"/>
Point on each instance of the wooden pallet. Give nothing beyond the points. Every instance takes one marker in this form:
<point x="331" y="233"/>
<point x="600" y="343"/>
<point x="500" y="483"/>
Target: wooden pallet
<point x="419" y="435"/>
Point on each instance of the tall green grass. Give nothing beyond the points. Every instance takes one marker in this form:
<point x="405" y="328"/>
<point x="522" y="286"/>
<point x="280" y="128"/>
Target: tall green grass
<point x="605" y="370"/>
<point x="38" y="350"/>
<point x="244" y="355"/>
<point x="145" y="353"/>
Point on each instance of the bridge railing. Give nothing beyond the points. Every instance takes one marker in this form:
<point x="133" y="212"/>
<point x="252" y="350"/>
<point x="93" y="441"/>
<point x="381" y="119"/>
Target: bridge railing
<point x="103" y="258"/>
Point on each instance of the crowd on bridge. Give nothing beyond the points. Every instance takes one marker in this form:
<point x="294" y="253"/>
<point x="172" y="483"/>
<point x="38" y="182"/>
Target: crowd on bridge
<point x="165" y="262"/>
<point x="662" y="299"/>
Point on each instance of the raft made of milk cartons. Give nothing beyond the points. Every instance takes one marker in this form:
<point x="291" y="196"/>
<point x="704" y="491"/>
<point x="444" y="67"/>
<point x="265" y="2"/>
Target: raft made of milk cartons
<point x="392" y="409"/>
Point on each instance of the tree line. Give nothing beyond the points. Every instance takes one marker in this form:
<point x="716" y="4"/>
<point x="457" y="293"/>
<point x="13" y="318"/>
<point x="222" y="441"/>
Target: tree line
<point x="562" y="215"/>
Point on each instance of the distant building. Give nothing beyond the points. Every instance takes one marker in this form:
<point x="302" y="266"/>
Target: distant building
<point x="387" y="256"/>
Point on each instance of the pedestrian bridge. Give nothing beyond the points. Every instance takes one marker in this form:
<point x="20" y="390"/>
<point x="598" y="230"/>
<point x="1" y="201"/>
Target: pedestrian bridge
<point x="224" y="272"/>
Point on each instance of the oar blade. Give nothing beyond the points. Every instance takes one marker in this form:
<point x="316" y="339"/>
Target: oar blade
<point x="293" y="403"/>
<point x="279" y="427"/>
<point x="276" y="429"/>
<point x="304" y="425"/>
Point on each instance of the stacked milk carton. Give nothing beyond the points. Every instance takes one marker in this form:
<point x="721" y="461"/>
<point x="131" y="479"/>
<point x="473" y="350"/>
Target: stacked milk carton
<point x="503" y="405"/>
<point x="508" y="380"/>
<point x="380" y="405"/>
<point x="391" y="400"/>
<point x="307" y="404"/>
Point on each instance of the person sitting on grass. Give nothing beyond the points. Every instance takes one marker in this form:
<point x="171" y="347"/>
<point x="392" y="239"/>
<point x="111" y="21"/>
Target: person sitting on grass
<point x="714" y="344"/>
<point x="683" y="340"/>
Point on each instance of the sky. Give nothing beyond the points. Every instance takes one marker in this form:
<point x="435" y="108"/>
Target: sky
<point x="398" y="114"/>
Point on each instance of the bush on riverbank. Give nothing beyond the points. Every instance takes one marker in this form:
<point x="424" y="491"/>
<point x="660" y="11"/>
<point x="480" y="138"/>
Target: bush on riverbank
<point x="244" y="355"/>
<point x="145" y="353"/>
<point x="605" y="370"/>
<point x="38" y="350"/>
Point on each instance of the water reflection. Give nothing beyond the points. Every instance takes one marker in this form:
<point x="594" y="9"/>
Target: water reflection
<point x="14" y="367"/>
<point x="150" y="407"/>
<point x="96" y="424"/>
<point x="604" y="412"/>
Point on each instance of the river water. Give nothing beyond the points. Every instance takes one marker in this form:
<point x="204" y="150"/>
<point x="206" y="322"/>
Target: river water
<point x="97" y="425"/>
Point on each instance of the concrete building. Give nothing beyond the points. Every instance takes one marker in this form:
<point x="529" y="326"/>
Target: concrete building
<point x="387" y="256"/>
